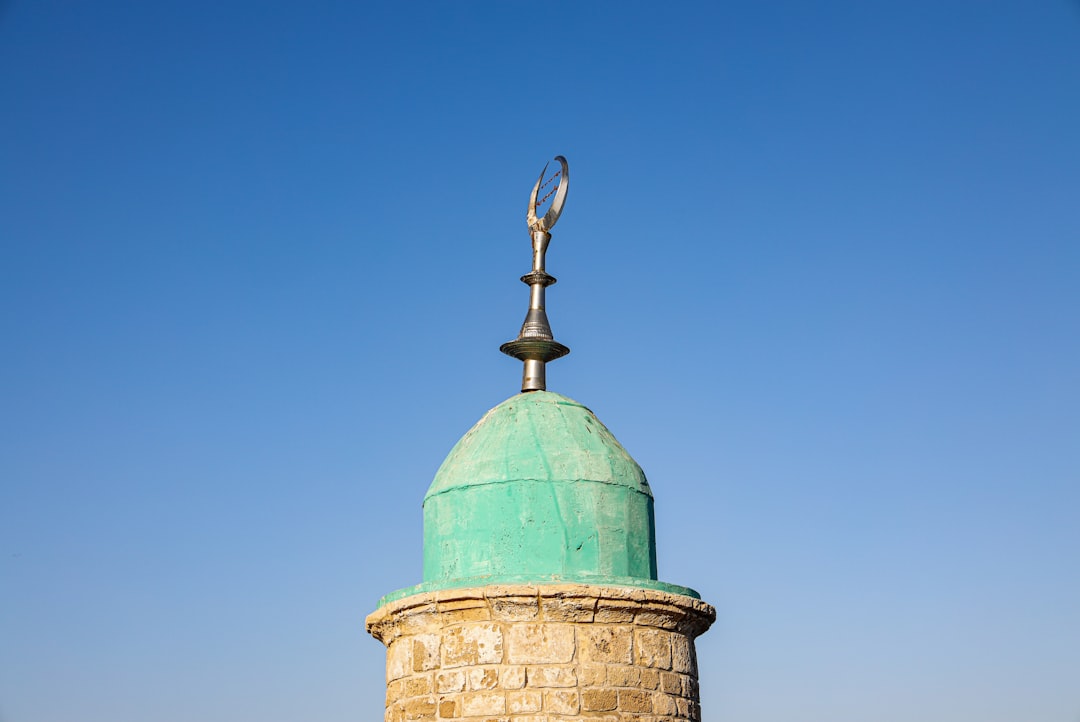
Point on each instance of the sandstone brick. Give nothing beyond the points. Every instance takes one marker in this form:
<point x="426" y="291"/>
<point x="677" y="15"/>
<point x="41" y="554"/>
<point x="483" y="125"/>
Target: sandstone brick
<point x="540" y="643"/>
<point x="398" y="659"/>
<point x="483" y="678"/>
<point x="623" y="676"/>
<point x="524" y="701"/>
<point x="568" y="609"/>
<point x="650" y="679"/>
<point x="472" y="644"/>
<point x="420" y="619"/>
<point x="395" y="712"/>
<point x="417" y="686"/>
<point x="635" y="700"/>
<point x="693" y="710"/>
<point x="425" y="652"/>
<point x="394" y="691"/>
<point x="602" y="643"/>
<point x="665" y="704"/>
<point x="512" y="676"/>
<point x="456" y="607"/>
<point x="546" y="676"/>
<point x="671" y="682"/>
<point x="684" y="707"/>
<point x="465" y="602"/>
<point x="448" y="708"/>
<point x="450" y="681"/>
<point x="592" y="675"/>
<point x="682" y="655"/>
<point x="615" y="611"/>
<point x="478" y="704"/>
<point x="514" y="608"/>
<point x="462" y="616"/>
<point x="661" y="616"/>
<point x="652" y="647"/>
<point x="420" y="708"/>
<point x="471" y="595"/>
<point x="561" y="701"/>
<point x="599" y="700"/>
<point x="690" y="687"/>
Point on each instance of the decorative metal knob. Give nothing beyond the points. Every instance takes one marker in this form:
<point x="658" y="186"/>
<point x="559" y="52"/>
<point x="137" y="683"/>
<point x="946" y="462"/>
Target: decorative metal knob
<point x="536" y="345"/>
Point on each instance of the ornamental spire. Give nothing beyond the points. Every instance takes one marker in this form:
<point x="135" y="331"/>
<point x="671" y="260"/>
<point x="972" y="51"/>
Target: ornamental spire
<point x="536" y="345"/>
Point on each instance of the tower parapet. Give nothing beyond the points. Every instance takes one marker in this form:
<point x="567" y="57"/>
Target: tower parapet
<point x="534" y="653"/>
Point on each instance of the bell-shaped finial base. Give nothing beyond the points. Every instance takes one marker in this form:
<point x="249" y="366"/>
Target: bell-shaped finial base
<point x="535" y="352"/>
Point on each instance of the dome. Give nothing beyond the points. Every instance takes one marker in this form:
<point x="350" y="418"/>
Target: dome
<point x="538" y="490"/>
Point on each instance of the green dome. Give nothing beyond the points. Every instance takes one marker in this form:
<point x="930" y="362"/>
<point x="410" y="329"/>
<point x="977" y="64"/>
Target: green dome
<point x="539" y="490"/>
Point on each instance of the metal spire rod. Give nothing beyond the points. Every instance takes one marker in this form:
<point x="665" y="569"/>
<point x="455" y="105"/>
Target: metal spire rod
<point x="536" y="345"/>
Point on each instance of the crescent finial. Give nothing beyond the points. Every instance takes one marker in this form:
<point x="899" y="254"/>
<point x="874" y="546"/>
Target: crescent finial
<point x="563" y="185"/>
<point x="535" y="344"/>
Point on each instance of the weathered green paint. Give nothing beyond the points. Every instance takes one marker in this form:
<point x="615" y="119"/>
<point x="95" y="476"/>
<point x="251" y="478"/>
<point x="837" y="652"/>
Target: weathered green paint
<point x="538" y="490"/>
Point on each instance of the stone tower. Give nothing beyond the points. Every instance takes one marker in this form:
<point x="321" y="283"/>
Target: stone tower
<point x="540" y="600"/>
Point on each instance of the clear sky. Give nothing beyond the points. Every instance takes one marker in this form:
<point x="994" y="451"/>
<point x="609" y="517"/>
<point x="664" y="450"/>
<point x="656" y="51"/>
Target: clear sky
<point x="818" y="268"/>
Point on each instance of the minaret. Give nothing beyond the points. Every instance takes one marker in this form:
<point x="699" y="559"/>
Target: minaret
<point x="540" y="599"/>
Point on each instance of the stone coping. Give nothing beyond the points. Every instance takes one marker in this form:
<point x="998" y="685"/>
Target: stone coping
<point x="512" y="603"/>
<point x="530" y="580"/>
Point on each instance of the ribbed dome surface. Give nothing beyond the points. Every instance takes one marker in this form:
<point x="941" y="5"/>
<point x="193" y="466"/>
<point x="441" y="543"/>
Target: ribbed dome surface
<point x="538" y="490"/>
<point x="540" y="436"/>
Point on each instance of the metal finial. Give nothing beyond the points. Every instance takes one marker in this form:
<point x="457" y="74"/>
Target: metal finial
<point x="536" y="345"/>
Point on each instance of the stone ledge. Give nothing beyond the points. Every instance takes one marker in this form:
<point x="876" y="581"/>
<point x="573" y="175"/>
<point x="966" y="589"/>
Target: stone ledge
<point x="560" y="603"/>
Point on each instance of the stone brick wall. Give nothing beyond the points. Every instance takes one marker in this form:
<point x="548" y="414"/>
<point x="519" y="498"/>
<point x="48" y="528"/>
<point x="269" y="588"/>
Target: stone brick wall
<point x="541" y="654"/>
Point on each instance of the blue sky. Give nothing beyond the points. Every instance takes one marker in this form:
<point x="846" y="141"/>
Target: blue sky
<point x="818" y="268"/>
